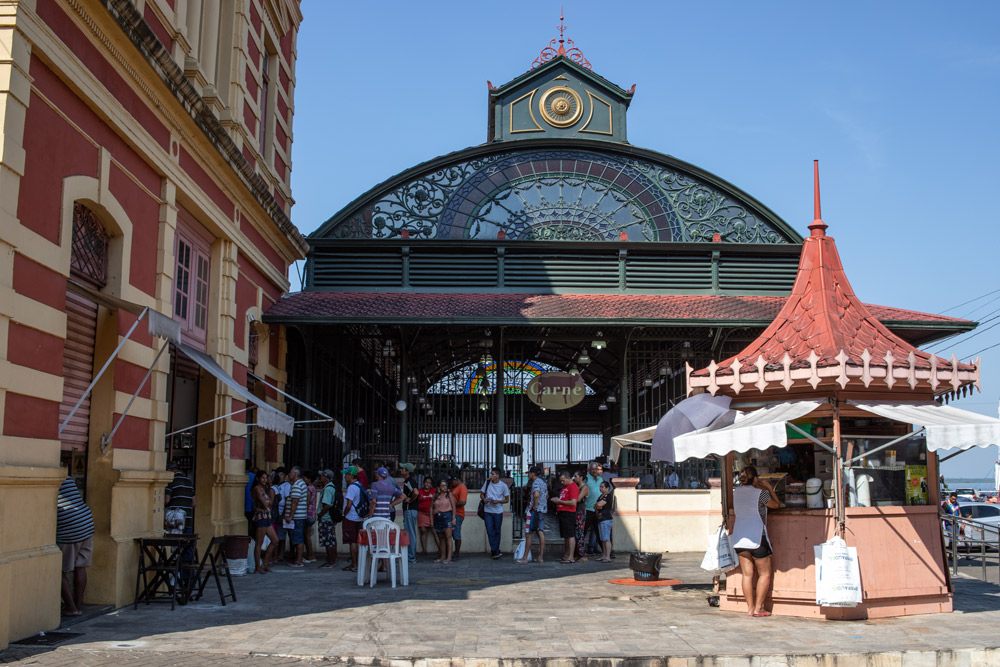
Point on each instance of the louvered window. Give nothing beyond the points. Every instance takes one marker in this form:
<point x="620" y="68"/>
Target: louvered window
<point x="191" y="279"/>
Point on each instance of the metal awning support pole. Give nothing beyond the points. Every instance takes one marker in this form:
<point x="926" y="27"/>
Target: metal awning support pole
<point x="289" y="396"/>
<point x="810" y="437"/>
<point x="101" y="372"/>
<point x="207" y="421"/>
<point x="888" y="444"/>
<point x="106" y="439"/>
<point x="498" y="361"/>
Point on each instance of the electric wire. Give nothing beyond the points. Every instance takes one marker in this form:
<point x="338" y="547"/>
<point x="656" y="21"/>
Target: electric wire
<point x="969" y="301"/>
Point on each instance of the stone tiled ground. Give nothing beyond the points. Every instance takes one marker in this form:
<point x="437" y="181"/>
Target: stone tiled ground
<point x="478" y="611"/>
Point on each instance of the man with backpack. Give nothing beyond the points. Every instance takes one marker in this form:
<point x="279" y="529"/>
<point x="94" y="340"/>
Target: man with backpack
<point x="330" y="514"/>
<point x="356" y="509"/>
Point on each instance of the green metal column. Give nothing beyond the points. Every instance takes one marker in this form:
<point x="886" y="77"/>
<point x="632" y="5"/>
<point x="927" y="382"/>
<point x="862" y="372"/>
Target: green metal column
<point x="623" y="407"/>
<point x="404" y="426"/>
<point x="498" y="359"/>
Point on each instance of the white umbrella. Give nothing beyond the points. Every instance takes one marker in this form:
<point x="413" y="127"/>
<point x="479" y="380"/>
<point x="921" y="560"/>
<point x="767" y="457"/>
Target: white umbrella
<point x="689" y="415"/>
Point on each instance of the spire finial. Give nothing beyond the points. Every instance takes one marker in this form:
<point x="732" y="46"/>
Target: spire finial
<point x="818" y="227"/>
<point x="553" y="51"/>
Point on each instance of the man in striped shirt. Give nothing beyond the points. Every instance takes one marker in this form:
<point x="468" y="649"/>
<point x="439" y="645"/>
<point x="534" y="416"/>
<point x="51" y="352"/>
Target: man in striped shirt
<point x="180" y="494"/>
<point x="75" y="538"/>
<point x="296" y="510"/>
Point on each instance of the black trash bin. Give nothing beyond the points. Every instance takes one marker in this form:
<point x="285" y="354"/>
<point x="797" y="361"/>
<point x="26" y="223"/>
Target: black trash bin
<point x="645" y="565"/>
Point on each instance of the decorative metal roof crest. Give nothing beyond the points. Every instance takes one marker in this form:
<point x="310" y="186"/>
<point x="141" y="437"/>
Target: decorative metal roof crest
<point x="550" y="51"/>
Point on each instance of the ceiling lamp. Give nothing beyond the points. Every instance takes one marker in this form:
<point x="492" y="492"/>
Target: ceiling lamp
<point x="648" y="382"/>
<point x="422" y="400"/>
<point x="599" y="342"/>
<point x="686" y="351"/>
<point x="400" y="405"/>
<point x="387" y="350"/>
<point x="602" y="406"/>
<point x="430" y="413"/>
<point x="612" y="398"/>
<point x="584" y="358"/>
<point x="484" y="404"/>
<point x="664" y="370"/>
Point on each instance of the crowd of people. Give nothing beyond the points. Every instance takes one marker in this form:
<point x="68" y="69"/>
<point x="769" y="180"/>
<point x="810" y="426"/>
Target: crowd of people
<point x="283" y="507"/>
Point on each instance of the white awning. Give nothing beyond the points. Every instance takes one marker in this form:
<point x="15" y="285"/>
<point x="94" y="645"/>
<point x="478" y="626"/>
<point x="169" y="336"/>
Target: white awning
<point x="759" y="429"/>
<point x="637" y="440"/>
<point x="267" y="416"/>
<point x="947" y="427"/>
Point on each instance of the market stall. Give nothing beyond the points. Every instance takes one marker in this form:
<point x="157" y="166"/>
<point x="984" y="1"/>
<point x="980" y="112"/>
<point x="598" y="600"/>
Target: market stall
<point x="843" y="417"/>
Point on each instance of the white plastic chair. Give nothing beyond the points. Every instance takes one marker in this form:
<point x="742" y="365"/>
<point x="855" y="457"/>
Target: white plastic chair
<point x="383" y="544"/>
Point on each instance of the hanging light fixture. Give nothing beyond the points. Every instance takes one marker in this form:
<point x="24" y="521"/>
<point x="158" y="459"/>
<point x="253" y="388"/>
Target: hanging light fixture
<point x="430" y="412"/>
<point x="583" y="359"/>
<point x="648" y="382"/>
<point x="686" y="351"/>
<point x="602" y="406"/>
<point x="422" y="401"/>
<point x="414" y="390"/>
<point x="484" y="404"/>
<point x="599" y="342"/>
<point x="612" y="398"/>
<point x="664" y="370"/>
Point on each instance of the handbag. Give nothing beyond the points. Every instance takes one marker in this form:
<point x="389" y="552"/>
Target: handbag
<point x="720" y="555"/>
<point x="481" y="510"/>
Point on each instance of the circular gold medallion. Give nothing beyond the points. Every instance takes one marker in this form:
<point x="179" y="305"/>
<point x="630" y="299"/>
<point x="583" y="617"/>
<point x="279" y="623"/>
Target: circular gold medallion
<point x="560" y="106"/>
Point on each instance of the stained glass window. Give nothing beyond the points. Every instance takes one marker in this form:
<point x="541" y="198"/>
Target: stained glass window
<point x="480" y="377"/>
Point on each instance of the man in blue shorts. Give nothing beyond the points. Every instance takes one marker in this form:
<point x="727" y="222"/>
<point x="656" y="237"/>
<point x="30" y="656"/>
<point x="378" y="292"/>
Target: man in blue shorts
<point x="534" y="521"/>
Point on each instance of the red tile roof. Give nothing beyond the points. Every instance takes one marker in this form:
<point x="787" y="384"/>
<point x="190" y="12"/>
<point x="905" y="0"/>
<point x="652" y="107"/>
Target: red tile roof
<point x="627" y="308"/>
<point x="823" y="315"/>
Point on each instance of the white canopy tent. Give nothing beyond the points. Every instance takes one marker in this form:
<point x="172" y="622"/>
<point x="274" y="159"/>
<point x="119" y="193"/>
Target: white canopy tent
<point x="759" y="429"/>
<point x="947" y="427"/>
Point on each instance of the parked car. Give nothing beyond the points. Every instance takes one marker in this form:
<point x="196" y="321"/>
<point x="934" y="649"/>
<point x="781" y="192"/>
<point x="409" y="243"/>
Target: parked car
<point x="985" y="526"/>
<point x="970" y="495"/>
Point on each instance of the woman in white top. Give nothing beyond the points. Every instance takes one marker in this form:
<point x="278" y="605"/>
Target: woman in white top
<point x="750" y="502"/>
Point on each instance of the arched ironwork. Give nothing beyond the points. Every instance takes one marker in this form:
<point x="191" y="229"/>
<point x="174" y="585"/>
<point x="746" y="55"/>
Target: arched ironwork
<point x="89" y="256"/>
<point x="557" y="194"/>
<point x="480" y="378"/>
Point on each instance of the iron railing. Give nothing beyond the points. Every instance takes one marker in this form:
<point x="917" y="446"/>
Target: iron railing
<point x="971" y="538"/>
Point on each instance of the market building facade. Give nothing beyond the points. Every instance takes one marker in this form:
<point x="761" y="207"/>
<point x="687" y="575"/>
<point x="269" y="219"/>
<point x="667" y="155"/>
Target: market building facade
<point x="145" y="177"/>
<point x="555" y="253"/>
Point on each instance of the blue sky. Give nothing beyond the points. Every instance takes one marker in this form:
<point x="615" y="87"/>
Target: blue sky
<point x="898" y="100"/>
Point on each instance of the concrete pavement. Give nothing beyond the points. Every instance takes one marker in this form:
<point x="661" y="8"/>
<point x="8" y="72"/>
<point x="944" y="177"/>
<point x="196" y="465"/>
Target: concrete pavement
<point x="482" y="612"/>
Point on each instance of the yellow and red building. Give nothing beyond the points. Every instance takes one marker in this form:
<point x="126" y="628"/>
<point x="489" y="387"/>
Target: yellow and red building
<point x="144" y="164"/>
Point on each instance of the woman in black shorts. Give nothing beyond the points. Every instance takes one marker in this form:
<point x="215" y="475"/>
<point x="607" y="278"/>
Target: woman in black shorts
<point x="566" y="512"/>
<point x="750" y="502"/>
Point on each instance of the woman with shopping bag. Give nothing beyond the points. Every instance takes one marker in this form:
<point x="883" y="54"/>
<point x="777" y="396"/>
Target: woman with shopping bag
<point x="750" y="502"/>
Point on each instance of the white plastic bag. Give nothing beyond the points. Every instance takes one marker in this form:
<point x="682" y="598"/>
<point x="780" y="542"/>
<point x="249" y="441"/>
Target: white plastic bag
<point x="720" y="555"/>
<point x="266" y="541"/>
<point x="838" y="577"/>
<point x="519" y="551"/>
<point x="251" y="561"/>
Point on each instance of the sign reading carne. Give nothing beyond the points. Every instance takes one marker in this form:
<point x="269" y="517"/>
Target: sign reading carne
<point x="556" y="391"/>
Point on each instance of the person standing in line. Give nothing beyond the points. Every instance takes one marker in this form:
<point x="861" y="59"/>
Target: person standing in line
<point x="566" y="512"/>
<point x="751" y="499"/>
<point x="385" y="495"/>
<point x="460" y="493"/>
<point x="327" y="516"/>
<point x="282" y="489"/>
<point x="351" y="525"/>
<point x="262" y="497"/>
<point x="535" y="519"/>
<point x="443" y="509"/>
<point x="579" y="478"/>
<point x="425" y="497"/>
<point x="603" y="506"/>
<point x="295" y="511"/>
<point x="647" y="481"/>
<point x="312" y="502"/>
<point x="248" y="499"/>
<point x="362" y="475"/>
<point x="673" y="481"/>
<point x="590" y="533"/>
<point x="179" y="494"/>
<point x="495" y="494"/>
<point x="409" y="509"/>
<point x="75" y="538"/>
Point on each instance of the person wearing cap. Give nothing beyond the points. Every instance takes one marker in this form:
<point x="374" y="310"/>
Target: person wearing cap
<point x="535" y="516"/>
<point x="410" y="506"/>
<point x="384" y="495"/>
<point x="329" y="499"/>
<point x="495" y="494"/>
<point x="351" y="525"/>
